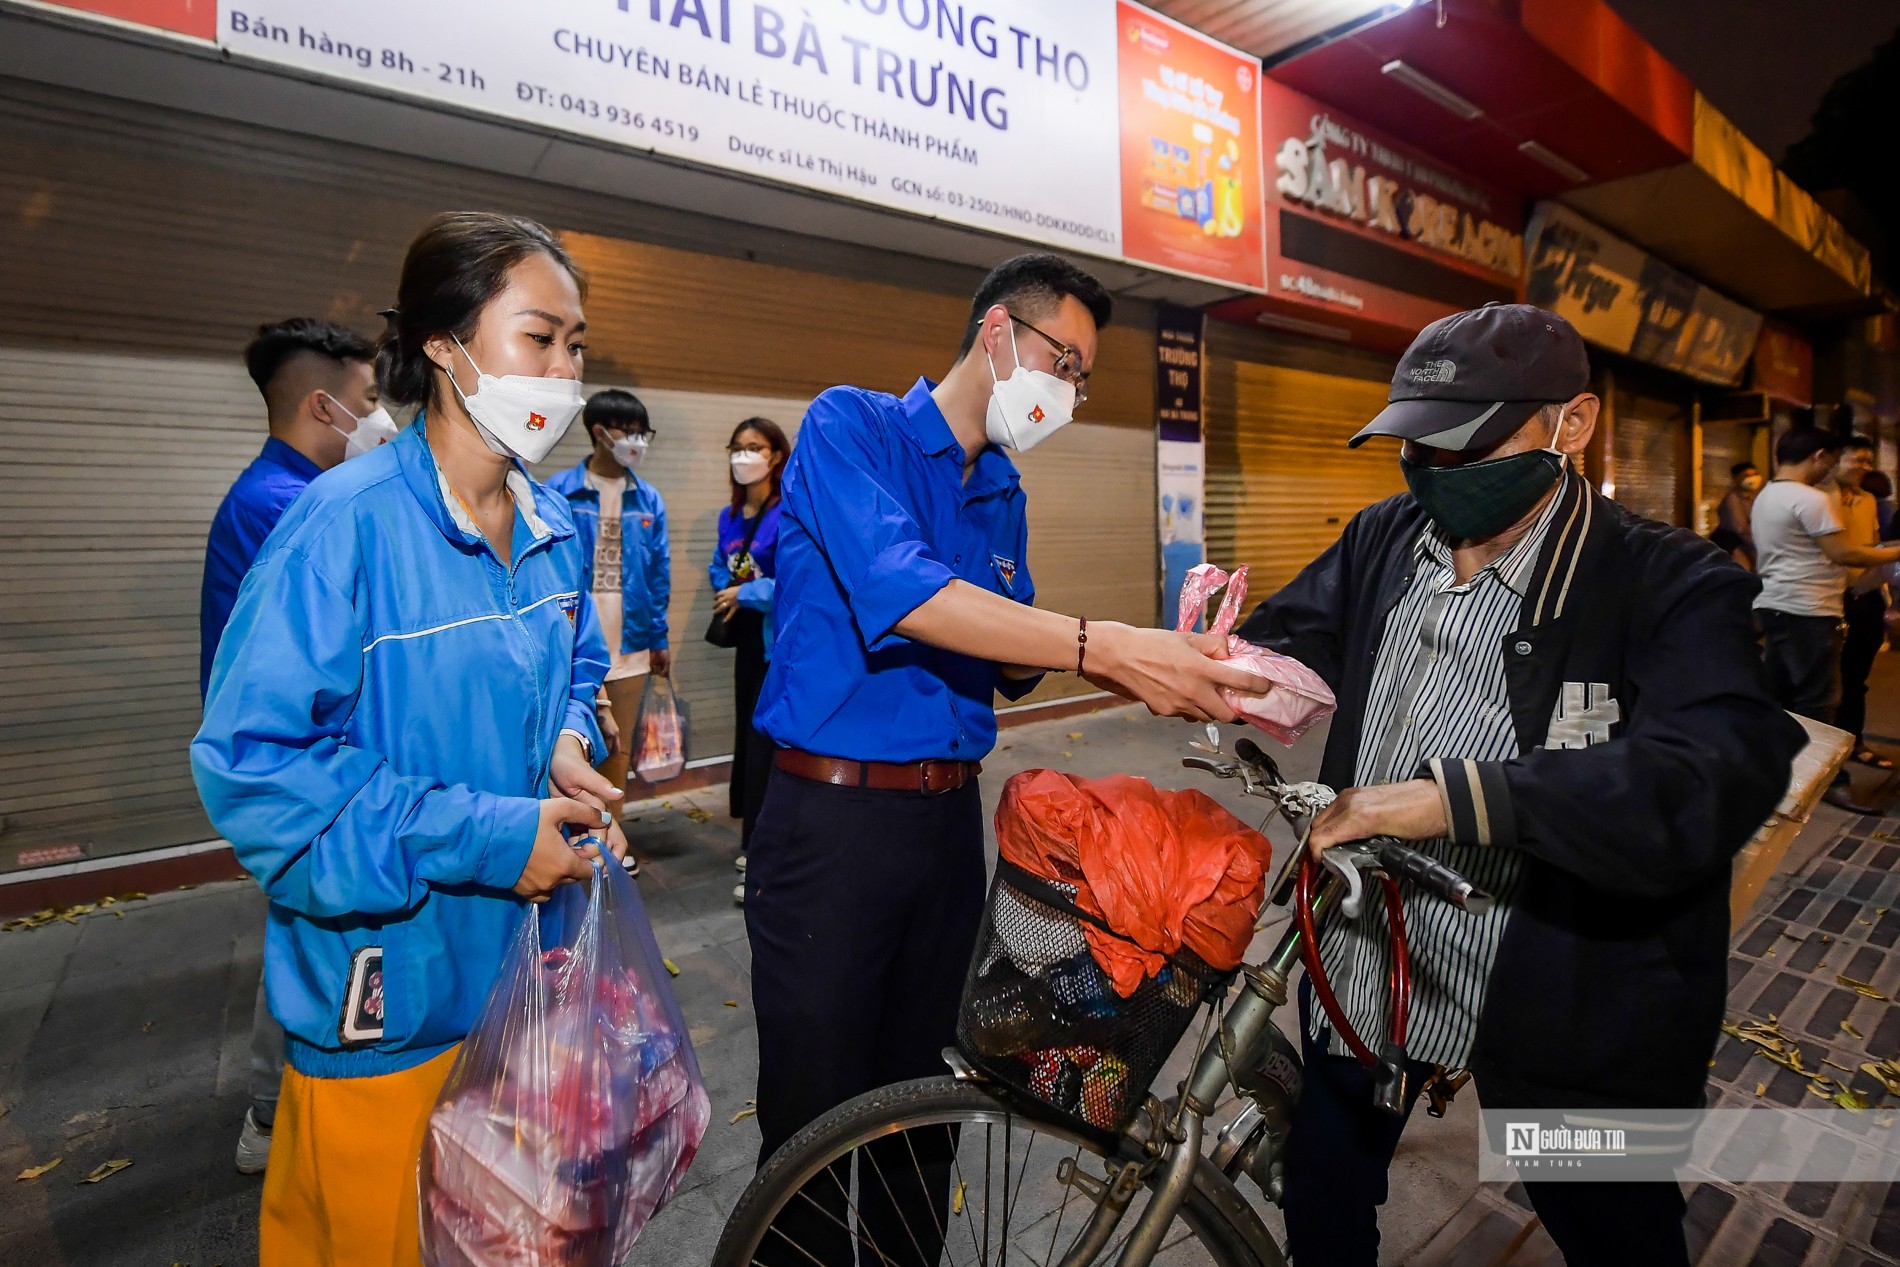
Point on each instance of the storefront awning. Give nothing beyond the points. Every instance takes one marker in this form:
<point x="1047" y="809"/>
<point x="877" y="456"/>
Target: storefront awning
<point x="1562" y="99"/>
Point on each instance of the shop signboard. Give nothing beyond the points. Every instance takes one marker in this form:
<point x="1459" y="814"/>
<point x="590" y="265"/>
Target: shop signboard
<point x="1624" y="299"/>
<point x="1190" y="150"/>
<point x="1366" y="228"/>
<point x="1180" y="455"/>
<point x="1783" y="365"/>
<point x="196" y="18"/>
<point x="1003" y="115"/>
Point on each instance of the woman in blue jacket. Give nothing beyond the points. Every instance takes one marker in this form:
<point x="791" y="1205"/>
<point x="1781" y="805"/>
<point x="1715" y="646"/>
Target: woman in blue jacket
<point x="742" y="570"/>
<point x="399" y="724"/>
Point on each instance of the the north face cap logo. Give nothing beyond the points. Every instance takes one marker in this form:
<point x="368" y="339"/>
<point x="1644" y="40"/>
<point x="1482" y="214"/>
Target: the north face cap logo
<point x="537" y="421"/>
<point x="1433" y="372"/>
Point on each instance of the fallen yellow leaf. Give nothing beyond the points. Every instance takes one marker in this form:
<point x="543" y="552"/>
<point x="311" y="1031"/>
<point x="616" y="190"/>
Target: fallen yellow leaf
<point x="732" y="1003"/>
<point x="741" y="1116"/>
<point x="1849" y="1029"/>
<point x="671" y="967"/>
<point x="34" y="1172"/>
<point x="956" y="1202"/>
<point x="1761" y="1089"/>
<point x="1075" y="734"/>
<point x="107" y="1169"/>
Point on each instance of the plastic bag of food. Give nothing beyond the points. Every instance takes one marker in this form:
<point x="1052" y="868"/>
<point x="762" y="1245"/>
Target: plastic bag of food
<point x="661" y="731"/>
<point x="1300" y="698"/>
<point x="1162" y="869"/>
<point x="575" y="1105"/>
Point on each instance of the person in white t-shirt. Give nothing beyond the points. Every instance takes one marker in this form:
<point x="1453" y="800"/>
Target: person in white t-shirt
<point x="1805" y="565"/>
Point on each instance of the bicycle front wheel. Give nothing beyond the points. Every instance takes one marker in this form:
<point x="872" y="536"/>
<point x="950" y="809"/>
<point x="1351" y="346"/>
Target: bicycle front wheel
<point x="939" y="1172"/>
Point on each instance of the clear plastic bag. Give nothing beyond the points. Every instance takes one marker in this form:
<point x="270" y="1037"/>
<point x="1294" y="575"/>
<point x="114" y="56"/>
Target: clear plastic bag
<point x="661" y="754"/>
<point x="575" y="1105"/>
<point x="1300" y="698"/>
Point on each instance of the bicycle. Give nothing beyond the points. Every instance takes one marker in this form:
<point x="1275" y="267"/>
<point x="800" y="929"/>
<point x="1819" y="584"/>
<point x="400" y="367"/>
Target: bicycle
<point x="914" y="1146"/>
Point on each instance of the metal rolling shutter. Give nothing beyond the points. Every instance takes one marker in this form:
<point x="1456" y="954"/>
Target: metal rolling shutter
<point x="1723" y="445"/>
<point x="1645" y="443"/>
<point x="152" y="244"/>
<point x="1281" y="482"/>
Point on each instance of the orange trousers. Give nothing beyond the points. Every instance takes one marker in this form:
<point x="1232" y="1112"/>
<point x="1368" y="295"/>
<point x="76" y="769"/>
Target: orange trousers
<point x="341" y="1187"/>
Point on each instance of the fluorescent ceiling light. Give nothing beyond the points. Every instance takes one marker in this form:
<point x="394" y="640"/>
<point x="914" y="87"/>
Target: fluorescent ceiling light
<point x="1553" y="160"/>
<point x="1426" y="86"/>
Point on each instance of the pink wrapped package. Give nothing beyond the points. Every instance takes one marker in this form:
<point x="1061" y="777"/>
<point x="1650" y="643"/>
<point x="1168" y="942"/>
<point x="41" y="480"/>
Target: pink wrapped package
<point x="1300" y="698"/>
<point x="576" y="1104"/>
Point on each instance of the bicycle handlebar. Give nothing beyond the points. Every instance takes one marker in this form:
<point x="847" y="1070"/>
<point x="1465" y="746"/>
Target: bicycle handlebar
<point x="1431" y="875"/>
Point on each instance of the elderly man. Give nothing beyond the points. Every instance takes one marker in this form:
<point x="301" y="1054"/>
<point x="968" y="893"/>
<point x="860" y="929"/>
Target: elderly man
<point x="1565" y="700"/>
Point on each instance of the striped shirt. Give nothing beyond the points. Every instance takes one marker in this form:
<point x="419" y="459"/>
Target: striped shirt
<point x="1438" y="690"/>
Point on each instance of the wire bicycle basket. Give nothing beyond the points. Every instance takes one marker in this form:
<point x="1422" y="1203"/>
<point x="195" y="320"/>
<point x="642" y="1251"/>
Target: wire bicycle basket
<point x="1040" y="1016"/>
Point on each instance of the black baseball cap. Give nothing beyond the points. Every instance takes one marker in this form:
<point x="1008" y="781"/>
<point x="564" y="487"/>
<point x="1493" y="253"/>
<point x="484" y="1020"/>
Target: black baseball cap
<point x="1473" y="378"/>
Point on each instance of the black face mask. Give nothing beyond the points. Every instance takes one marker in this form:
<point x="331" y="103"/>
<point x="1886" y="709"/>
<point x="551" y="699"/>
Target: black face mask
<point x="1482" y="499"/>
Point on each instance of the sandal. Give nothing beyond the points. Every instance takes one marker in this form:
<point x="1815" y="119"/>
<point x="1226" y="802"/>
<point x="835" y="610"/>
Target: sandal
<point x="1868" y="757"/>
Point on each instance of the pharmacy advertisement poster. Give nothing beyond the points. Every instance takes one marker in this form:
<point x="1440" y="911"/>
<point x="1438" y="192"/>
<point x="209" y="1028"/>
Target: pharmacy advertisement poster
<point x="197" y="18"/>
<point x="1190" y="151"/>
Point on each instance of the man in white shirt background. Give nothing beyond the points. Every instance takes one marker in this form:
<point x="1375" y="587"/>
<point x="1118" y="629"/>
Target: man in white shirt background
<point x="1806" y="561"/>
<point x="1864" y="608"/>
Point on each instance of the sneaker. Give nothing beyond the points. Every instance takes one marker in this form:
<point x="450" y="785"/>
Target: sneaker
<point x="631" y="863"/>
<point x="739" y="863"/>
<point x="738" y="895"/>
<point x="253" y="1150"/>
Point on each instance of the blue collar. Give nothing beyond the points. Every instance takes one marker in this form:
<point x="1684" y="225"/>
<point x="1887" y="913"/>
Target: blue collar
<point x="290" y="459"/>
<point x="930" y="431"/>
<point x="428" y="486"/>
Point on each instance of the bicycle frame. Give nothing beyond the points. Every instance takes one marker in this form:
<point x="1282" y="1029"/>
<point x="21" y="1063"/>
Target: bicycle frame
<point x="1236" y="1044"/>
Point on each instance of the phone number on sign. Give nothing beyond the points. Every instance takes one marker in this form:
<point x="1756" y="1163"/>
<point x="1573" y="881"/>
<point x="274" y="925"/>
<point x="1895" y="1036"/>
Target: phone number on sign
<point x="590" y="108"/>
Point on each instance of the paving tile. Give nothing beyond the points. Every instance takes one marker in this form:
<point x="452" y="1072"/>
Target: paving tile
<point x="1785" y="1244"/>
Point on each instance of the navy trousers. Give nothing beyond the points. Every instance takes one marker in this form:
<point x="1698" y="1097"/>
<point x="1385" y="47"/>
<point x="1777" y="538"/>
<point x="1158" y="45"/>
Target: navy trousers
<point x="1341" y="1148"/>
<point x="862" y="909"/>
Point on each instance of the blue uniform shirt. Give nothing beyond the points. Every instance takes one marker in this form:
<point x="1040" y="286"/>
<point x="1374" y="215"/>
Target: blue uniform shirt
<point x="245" y="518"/>
<point x="877" y="518"/>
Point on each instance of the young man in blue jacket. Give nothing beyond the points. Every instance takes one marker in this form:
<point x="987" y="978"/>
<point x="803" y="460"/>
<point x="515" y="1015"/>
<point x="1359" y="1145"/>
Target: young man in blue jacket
<point x="321" y="399"/>
<point x="621" y="522"/>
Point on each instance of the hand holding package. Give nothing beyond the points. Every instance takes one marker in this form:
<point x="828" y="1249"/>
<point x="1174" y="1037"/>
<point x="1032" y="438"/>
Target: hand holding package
<point x="1299" y="698"/>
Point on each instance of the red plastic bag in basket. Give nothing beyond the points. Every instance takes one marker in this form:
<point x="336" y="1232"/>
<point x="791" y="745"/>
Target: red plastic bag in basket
<point x="1300" y="698"/>
<point x="1164" y="869"/>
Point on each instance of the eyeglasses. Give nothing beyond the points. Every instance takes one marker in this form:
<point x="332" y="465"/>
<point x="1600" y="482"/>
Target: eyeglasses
<point x="615" y="433"/>
<point x="760" y="450"/>
<point x="1068" y="365"/>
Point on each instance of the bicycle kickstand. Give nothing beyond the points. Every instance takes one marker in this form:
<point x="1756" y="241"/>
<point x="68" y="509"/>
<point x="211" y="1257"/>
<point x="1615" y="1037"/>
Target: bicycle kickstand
<point x="1111" y="1198"/>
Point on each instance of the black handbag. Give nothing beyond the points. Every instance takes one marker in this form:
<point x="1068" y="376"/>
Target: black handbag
<point x="723" y="631"/>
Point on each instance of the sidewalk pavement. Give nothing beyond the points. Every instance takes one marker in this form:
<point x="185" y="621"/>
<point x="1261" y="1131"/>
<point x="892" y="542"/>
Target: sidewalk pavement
<point x="125" y="1036"/>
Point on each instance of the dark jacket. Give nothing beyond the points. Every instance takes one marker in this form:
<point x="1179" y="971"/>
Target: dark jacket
<point x="1610" y="980"/>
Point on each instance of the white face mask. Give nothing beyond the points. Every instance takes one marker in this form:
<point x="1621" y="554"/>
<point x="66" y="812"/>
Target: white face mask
<point x="1027" y="407"/>
<point x="750" y="468"/>
<point x="517" y="415"/>
<point x="372" y="429"/>
<point x="628" y="450"/>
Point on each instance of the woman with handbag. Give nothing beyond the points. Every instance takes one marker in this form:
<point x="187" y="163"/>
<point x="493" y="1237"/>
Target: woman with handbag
<point x="741" y="571"/>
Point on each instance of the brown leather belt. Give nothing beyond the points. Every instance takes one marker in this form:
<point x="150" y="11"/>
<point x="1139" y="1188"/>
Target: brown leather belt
<point x="928" y="777"/>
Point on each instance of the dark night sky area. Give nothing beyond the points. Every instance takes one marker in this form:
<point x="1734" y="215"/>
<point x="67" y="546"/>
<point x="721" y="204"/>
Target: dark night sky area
<point x="1764" y="63"/>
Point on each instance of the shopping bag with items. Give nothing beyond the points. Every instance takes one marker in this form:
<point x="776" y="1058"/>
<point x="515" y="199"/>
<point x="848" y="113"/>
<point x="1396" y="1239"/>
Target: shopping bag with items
<point x="1300" y="698"/>
<point x="575" y="1106"/>
<point x="1117" y="910"/>
<point x="661" y="754"/>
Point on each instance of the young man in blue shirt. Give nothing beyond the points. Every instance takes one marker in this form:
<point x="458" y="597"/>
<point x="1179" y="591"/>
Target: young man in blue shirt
<point x="903" y="607"/>
<point x="621" y="520"/>
<point x="319" y="386"/>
